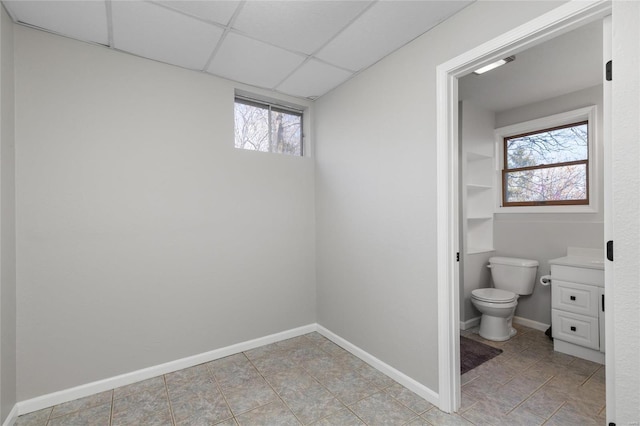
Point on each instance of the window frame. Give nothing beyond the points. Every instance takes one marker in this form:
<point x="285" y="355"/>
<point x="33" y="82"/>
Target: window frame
<point x="557" y="121"/>
<point x="506" y="169"/>
<point x="272" y="106"/>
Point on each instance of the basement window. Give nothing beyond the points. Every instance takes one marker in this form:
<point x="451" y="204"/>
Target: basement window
<point x="267" y="127"/>
<point x="547" y="162"/>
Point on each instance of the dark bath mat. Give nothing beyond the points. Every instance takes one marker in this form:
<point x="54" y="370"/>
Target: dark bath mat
<point x="473" y="353"/>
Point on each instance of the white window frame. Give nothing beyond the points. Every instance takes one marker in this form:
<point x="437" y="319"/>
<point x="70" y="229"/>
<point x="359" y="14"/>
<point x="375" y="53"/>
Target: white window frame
<point x="582" y="114"/>
<point x="282" y="105"/>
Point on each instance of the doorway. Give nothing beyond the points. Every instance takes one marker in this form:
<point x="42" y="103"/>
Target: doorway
<point x="559" y="21"/>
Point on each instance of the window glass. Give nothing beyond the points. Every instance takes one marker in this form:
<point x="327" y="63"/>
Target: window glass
<point x="547" y="167"/>
<point x="551" y="146"/>
<point x="267" y="128"/>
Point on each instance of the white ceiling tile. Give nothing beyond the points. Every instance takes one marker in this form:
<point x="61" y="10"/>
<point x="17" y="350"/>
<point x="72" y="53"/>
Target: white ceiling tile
<point x="253" y="62"/>
<point x="157" y="33"/>
<point x="302" y="26"/>
<point x="216" y="11"/>
<point x="385" y="27"/>
<point x="82" y="20"/>
<point x="313" y="79"/>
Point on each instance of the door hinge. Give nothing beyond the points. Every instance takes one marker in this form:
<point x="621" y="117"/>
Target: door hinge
<point x="610" y="250"/>
<point x="458" y="257"/>
<point x="608" y="71"/>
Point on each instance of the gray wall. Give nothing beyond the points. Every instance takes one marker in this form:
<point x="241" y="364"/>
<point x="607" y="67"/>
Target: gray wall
<point x="546" y="236"/>
<point x="143" y="235"/>
<point x="7" y="221"/>
<point x="376" y="191"/>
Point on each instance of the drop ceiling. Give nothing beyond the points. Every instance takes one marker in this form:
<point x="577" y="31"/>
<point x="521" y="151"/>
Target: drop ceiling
<point x="300" y="48"/>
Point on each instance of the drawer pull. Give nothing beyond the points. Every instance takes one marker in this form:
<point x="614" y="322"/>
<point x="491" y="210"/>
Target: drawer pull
<point x="572" y="297"/>
<point x="573" y="328"/>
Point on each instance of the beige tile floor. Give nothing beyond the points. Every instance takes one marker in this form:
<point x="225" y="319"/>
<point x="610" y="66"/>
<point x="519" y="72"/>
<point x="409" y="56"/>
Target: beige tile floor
<point x="310" y="380"/>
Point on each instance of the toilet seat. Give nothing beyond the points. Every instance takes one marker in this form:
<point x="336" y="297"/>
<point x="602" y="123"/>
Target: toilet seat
<point x="493" y="295"/>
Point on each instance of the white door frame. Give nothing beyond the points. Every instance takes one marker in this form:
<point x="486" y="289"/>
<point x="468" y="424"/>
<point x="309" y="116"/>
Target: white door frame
<point x="558" y="21"/>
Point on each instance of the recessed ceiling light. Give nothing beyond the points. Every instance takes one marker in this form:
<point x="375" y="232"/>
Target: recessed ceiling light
<point x="494" y="65"/>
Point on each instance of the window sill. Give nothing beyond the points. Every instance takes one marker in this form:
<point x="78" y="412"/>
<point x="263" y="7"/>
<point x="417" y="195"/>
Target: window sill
<point x="547" y="209"/>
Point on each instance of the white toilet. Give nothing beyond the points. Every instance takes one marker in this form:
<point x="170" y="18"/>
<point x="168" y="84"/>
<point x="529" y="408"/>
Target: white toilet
<point x="512" y="277"/>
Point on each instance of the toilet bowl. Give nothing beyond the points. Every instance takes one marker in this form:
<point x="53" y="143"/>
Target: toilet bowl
<point x="497" y="308"/>
<point x="512" y="277"/>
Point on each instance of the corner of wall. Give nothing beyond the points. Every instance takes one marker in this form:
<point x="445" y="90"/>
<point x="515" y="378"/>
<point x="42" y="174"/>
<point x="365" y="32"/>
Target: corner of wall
<point x="7" y="224"/>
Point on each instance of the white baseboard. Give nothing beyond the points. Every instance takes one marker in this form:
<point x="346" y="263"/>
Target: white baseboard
<point x="465" y="325"/>
<point x="88" y="389"/>
<point x="384" y="368"/>
<point x="531" y="324"/>
<point x="12" y="417"/>
<point x="55" y="398"/>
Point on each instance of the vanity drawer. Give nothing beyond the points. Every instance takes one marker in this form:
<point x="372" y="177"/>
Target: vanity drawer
<point x="578" y="329"/>
<point x="574" y="297"/>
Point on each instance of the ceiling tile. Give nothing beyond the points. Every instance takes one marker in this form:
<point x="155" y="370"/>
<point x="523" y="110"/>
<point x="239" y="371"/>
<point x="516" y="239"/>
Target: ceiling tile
<point x="302" y="26"/>
<point x="82" y="20"/>
<point x="215" y="11"/>
<point x="157" y="33"/>
<point x="253" y="62"/>
<point x="313" y="79"/>
<point x="385" y="27"/>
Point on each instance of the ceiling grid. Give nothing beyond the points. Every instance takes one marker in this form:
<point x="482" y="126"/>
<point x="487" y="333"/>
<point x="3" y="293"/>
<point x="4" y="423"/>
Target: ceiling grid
<point x="302" y="48"/>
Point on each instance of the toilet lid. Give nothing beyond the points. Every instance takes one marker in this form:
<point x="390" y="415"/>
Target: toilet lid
<point x="494" y="295"/>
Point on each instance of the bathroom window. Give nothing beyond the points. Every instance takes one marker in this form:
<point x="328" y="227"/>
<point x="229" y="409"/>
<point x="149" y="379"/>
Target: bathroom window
<point x="547" y="165"/>
<point x="267" y="127"/>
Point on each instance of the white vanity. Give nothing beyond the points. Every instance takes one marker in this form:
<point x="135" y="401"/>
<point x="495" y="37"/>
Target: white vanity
<point x="577" y="303"/>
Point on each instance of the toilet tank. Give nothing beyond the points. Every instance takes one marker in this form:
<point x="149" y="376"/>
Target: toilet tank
<point x="513" y="274"/>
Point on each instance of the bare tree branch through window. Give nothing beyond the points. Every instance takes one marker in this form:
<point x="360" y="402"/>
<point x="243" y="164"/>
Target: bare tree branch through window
<point x="547" y="167"/>
<point x="267" y="128"/>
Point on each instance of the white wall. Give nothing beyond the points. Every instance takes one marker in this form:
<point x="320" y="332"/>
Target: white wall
<point x="7" y="221"/>
<point x="143" y="235"/>
<point x="545" y="236"/>
<point x="376" y="191"/>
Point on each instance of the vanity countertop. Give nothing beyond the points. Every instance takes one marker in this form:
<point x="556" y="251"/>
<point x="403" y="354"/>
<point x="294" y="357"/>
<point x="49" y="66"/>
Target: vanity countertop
<point x="579" y="262"/>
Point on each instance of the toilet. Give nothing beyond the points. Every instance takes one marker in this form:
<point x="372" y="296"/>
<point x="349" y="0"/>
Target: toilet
<point x="512" y="278"/>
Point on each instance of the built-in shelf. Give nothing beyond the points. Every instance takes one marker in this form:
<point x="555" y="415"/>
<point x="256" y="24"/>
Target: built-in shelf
<point x="479" y="218"/>
<point x="477" y="156"/>
<point x="479" y="250"/>
<point x="478" y="204"/>
<point x="477" y="199"/>
<point x="474" y="187"/>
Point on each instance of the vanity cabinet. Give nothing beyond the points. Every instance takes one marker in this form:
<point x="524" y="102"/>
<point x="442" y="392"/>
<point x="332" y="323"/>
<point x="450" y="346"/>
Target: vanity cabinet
<point x="577" y="302"/>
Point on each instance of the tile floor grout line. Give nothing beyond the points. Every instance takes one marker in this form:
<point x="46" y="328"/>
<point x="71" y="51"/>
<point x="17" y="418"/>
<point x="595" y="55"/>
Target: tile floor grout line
<point x="590" y="376"/>
<point x="530" y="395"/>
<point x="273" y="389"/>
<point x="209" y="367"/>
<point x="112" y="404"/>
<point x="554" y="413"/>
<point x="166" y="391"/>
<point x="333" y="395"/>
<point x="49" y="416"/>
<point x="211" y="373"/>
<point x="356" y="414"/>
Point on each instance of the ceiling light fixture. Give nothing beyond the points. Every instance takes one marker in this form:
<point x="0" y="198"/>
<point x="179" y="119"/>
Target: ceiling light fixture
<point x="494" y="65"/>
